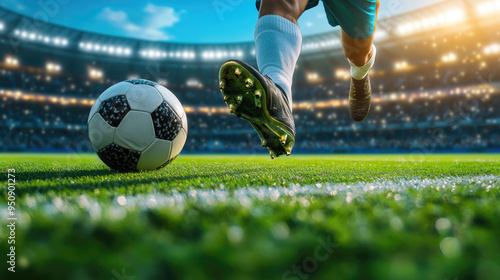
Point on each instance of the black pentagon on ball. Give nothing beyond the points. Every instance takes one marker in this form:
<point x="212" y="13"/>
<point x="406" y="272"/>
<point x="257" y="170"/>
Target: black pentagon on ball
<point x="114" y="109"/>
<point x="119" y="158"/>
<point x="141" y="82"/>
<point x="166" y="123"/>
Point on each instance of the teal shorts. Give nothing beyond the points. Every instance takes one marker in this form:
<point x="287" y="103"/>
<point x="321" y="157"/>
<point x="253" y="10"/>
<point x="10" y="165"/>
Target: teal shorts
<point x="356" y="17"/>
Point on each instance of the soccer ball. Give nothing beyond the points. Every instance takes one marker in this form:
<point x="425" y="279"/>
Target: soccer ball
<point x="137" y="125"/>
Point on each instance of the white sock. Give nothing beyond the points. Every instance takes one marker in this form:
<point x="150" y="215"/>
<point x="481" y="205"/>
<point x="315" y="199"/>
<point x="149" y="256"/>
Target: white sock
<point x="359" y="73"/>
<point x="277" y="47"/>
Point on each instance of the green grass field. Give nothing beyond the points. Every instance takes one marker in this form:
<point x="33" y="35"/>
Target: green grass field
<point x="249" y="217"/>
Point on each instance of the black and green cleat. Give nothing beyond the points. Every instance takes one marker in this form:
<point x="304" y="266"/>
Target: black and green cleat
<point x="360" y="98"/>
<point x="258" y="100"/>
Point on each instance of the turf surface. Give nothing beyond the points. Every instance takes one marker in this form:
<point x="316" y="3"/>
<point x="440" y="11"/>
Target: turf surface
<point x="249" y="217"/>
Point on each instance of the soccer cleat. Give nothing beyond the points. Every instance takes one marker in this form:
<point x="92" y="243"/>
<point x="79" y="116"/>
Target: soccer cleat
<point x="360" y="98"/>
<point x="258" y="100"/>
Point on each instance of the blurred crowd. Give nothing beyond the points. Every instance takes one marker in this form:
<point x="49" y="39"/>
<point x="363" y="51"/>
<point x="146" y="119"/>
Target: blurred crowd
<point x="429" y="101"/>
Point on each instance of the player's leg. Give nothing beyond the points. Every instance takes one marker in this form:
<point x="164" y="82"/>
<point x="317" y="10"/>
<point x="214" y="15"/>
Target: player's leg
<point x="357" y="19"/>
<point x="263" y="97"/>
<point x="360" y="54"/>
<point x="278" y="40"/>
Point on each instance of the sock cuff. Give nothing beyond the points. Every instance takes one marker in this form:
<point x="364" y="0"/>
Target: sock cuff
<point x="278" y="23"/>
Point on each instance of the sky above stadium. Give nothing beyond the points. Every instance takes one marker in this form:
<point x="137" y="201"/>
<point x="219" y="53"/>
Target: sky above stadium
<point x="196" y="21"/>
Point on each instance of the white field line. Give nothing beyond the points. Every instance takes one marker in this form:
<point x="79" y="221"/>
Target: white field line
<point x="246" y="196"/>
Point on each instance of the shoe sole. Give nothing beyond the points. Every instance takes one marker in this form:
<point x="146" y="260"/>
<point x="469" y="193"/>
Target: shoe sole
<point x="247" y="99"/>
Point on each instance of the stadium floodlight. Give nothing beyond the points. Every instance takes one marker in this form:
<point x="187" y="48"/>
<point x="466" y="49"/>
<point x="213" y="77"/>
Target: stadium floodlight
<point x="95" y="73"/>
<point x="53" y="67"/>
<point x="380" y="35"/>
<point x="10" y="60"/>
<point x="492" y="49"/>
<point x="2" y="26"/>
<point x="441" y="20"/>
<point x="450" y="57"/>
<point x="488" y="7"/>
<point x="312" y="77"/>
<point x="342" y="74"/>
<point x="109" y="49"/>
<point x="193" y="83"/>
<point x="401" y="65"/>
<point x="162" y="82"/>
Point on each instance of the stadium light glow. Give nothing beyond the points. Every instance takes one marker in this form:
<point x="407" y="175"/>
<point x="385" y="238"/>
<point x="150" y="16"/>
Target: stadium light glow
<point x="155" y="53"/>
<point x="41" y="38"/>
<point x="95" y="73"/>
<point x="313" y="46"/>
<point x="448" y="18"/>
<point x="193" y="83"/>
<point x="53" y="67"/>
<point x="342" y="74"/>
<point x="450" y="57"/>
<point x="10" y="60"/>
<point x="488" y="7"/>
<point x="492" y="49"/>
<point x="221" y="54"/>
<point x="401" y="65"/>
<point x="106" y="49"/>
<point x="312" y="77"/>
<point x="2" y="26"/>
<point x="162" y="82"/>
<point x="380" y="35"/>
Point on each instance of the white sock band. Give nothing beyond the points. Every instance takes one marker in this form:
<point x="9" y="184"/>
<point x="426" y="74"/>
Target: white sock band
<point x="277" y="47"/>
<point x="359" y="73"/>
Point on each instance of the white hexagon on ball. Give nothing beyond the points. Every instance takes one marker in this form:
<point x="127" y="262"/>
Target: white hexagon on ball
<point x="136" y="131"/>
<point x="120" y="88"/>
<point x="143" y="98"/>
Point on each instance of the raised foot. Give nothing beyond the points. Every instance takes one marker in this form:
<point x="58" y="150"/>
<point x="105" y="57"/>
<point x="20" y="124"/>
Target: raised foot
<point x="245" y="95"/>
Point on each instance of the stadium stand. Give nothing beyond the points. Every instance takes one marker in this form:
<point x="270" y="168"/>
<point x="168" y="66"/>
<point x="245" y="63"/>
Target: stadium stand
<point x="436" y="89"/>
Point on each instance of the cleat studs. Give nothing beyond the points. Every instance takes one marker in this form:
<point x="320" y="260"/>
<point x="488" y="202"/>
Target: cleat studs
<point x="237" y="71"/>
<point x="222" y="84"/>
<point x="287" y="154"/>
<point x="283" y="140"/>
<point x="288" y="150"/>
<point x="231" y="108"/>
<point x="249" y="83"/>
<point x="225" y="99"/>
<point x="239" y="99"/>
<point x="257" y="94"/>
<point x="264" y="143"/>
